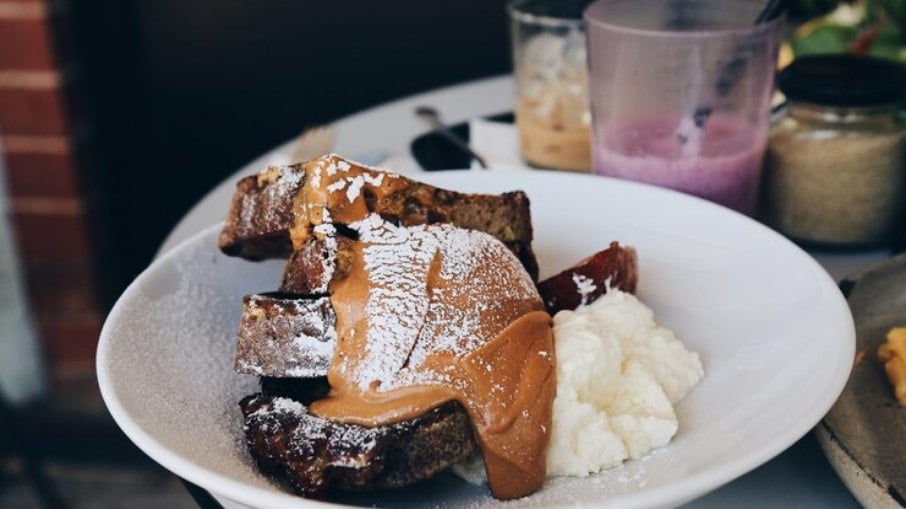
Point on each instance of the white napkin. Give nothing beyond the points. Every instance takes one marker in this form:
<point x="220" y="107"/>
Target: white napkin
<point x="497" y="143"/>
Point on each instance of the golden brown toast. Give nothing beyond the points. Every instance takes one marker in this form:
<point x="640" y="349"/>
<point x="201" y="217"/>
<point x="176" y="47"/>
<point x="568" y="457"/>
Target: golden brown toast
<point x="274" y="212"/>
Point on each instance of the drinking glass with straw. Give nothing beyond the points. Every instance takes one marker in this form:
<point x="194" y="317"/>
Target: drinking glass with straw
<point x="680" y="93"/>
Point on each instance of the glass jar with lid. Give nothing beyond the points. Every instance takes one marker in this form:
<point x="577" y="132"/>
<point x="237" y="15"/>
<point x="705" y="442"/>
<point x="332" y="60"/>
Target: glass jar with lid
<point x="835" y="167"/>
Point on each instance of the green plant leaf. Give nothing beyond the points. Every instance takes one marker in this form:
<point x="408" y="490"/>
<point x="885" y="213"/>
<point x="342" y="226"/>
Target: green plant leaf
<point x="822" y="40"/>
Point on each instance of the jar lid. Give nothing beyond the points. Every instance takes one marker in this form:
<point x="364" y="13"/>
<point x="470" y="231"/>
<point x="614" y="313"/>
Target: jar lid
<point x="843" y="80"/>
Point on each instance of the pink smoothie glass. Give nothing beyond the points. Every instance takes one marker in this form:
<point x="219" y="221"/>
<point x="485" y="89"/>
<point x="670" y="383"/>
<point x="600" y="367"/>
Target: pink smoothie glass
<point x="680" y="94"/>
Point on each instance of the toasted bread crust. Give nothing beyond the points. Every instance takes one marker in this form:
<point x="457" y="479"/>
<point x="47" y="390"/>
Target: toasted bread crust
<point x="523" y="251"/>
<point x="310" y="270"/>
<point x="313" y="454"/>
<point x="261" y="215"/>
<point x="286" y="336"/>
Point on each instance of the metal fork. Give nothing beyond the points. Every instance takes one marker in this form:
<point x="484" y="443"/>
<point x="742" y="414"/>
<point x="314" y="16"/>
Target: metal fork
<point x="314" y="142"/>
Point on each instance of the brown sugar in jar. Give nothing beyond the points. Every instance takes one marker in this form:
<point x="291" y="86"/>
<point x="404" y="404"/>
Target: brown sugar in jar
<point x="835" y="167"/>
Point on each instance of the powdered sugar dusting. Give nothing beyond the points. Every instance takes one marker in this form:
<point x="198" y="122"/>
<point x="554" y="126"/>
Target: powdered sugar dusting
<point x="285" y="337"/>
<point x="337" y="185"/>
<point x="333" y="166"/>
<point x="355" y="187"/>
<point x="304" y="429"/>
<point x="329" y="260"/>
<point x="262" y="211"/>
<point x="397" y="260"/>
<point x="353" y="184"/>
<point x="410" y="316"/>
<point x="316" y="179"/>
<point x="585" y="286"/>
<point x="344" y="165"/>
<point x="283" y="405"/>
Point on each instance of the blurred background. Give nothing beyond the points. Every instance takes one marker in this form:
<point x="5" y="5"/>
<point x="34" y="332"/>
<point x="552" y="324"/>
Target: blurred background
<point x="115" y="117"/>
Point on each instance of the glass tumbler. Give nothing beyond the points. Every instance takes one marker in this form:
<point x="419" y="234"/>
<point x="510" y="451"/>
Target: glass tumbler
<point x="680" y="94"/>
<point x="550" y="67"/>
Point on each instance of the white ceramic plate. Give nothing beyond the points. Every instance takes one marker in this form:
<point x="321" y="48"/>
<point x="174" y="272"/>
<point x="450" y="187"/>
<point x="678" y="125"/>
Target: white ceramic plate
<point x="774" y="333"/>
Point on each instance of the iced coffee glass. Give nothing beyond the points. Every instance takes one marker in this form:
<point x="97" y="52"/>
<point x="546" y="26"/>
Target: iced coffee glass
<point x="680" y="94"/>
<point x="550" y="66"/>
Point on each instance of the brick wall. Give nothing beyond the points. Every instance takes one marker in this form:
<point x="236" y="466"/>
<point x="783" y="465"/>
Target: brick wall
<point x="47" y="201"/>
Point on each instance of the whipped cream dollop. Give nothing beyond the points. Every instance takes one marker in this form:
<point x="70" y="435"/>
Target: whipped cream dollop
<point x="619" y="375"/>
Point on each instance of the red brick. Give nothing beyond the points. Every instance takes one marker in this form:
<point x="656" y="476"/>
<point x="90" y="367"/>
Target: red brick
<point x="24" y="78"/>
<point x="69" y="347"/>
<point x="25" y="43"/>
<point x="35" y="144"/>
<point x="70" y="342"/>
<point x="23" y="8"/>
<point x="41" y="174"/>
<point x="32" y="110"/>
<point x="63" y="291"/>
<point x="50" y="232"/>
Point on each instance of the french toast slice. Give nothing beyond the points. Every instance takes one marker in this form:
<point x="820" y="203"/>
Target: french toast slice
<point x="314" y="454"/>
<point x="320" y="261"/>
<point x="261" y="214"/>
<point x="274" y="212"/>
<point x="290" y="333"/>
<point x="286" y="336"/>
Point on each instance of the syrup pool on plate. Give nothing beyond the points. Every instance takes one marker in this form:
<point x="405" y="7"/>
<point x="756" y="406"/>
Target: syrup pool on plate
<point x="718" y="158"/>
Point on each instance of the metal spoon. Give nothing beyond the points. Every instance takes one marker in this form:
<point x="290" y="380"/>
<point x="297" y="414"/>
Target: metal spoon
<point x="432" y="117"/>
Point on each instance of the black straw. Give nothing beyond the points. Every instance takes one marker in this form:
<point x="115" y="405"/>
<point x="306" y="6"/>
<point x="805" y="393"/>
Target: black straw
<point x="731" y="71"/>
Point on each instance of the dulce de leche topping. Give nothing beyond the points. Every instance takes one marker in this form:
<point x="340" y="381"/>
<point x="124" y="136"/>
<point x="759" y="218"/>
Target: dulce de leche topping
<point x="434" y="313"/>
<point x="332" y="184"/>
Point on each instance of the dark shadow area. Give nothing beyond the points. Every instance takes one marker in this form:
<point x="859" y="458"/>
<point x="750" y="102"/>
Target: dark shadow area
<point x="181" y="94"/>
<point x="67" y="454"/>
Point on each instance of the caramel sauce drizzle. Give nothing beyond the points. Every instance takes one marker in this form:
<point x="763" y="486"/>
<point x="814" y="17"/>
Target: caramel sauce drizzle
<point x="506" y="384"/>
